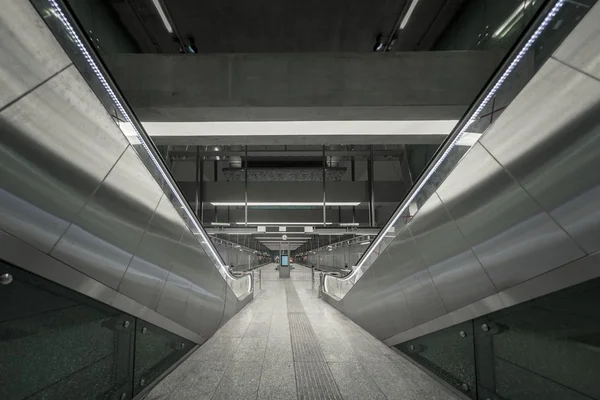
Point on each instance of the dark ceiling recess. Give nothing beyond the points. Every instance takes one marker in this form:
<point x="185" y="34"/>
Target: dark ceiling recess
<point x="280" y="26"/>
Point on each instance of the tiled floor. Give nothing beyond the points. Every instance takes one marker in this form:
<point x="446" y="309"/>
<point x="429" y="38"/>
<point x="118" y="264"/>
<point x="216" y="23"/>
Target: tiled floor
<point x="321" y="354"/>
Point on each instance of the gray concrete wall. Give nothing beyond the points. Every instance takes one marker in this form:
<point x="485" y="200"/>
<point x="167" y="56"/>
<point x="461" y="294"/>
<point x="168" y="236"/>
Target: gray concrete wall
<point x="247" y="87"/>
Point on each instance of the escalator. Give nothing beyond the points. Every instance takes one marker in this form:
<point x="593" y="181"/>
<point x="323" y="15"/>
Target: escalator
<point x="483" y="273"/>
<point x="108" y="278"/>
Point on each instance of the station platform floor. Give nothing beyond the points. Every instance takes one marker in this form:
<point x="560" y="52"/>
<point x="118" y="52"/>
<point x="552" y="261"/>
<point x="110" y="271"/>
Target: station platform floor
<point x="289" y="344"/>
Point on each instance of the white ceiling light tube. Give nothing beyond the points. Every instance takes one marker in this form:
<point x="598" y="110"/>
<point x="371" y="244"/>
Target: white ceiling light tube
<point x="220" y="224"/>
<point x="163" y="15"/>
<point x="409" y="12"/>
<point x="285" y="223"/>
<point x="285" y="204"/>
<point x="279" y="238"/>
<point x="512" y="20"/>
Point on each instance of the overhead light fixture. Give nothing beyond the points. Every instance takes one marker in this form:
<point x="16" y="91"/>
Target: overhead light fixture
<point x="278" y="238"/>
<point x="512" y="20"/>
<point x="364" y="243"/>
<point x="283" y="241"/>
<point x="284" y="223"/>
<point x="220" y="224"/>
<point x="348" y="223"/>
<point x="163" y="15"/>
<point x="409" y="12"/>
<point x="285" y="204"/>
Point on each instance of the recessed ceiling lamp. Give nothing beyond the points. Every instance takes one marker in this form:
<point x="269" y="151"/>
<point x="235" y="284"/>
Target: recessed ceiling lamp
<point x="220" y="224"/>
<point x="163" y="15"/>
<point x="409" y="12"/>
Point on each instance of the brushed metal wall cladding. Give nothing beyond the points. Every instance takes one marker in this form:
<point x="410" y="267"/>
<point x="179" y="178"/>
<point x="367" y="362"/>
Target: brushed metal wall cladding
<point x="49" y="168"/>
<point x="206" y="301"/>
<point x="554" y="153"/>
<point x="458" y="276"/>
<point x="27" y="56"/>
<point x="513" y="238"/>
<point x="104" y="236"/>
<point x="149" y="268"/>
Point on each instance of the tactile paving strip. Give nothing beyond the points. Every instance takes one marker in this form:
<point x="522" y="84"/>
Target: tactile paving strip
<point x="314" y="380"/>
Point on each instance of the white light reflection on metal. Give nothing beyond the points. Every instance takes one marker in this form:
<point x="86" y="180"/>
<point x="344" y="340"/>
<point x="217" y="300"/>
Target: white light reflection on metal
<point x="471" y="120"/>
<point x="129" y="131"/>
<point x="408" y="13"/>
<point x="163" y="15"/>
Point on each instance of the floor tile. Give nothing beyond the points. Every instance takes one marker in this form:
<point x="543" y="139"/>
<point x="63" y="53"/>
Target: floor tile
<point x="251" y="350"/>
<point x="258" y="330"/>
<point x="277" y="381"/>
<point x="353" y="382"/>
<point x="336" y="350"/>
<point x="279" y="349"/>
<point x="240" y="382"/>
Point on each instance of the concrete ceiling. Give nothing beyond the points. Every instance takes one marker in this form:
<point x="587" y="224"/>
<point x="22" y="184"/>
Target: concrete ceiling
<point x="284" y="26"/>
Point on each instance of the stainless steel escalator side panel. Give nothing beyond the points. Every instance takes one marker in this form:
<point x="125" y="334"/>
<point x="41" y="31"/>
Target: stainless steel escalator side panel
<point x="50" y="169"/>
<point x="147" y="272"/>
<point x="206" y="301"/>
<point x="105" y="235"/>
<point x="458" y="275"/>
<point x="553" y="153"/>
<point x="28" y="57"/>
<point x="581" y="49"/>
<point x="513" y="238"/>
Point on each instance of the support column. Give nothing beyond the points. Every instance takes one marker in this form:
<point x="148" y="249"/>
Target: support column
<point x="197" y="183"/>
<point x="324" y="194"/>
<point x="405" y="169"/>
<point x="215" y="177"/>
<point x="353" y="173"/>
<point x="371" y="174"/>
<point x="245" y="185"/>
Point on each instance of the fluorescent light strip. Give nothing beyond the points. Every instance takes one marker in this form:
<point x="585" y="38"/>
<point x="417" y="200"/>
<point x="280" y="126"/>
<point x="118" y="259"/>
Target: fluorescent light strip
<point x="285" y="204"/>
<point x="408" y="13"/>
<point x="162" y="15"/>
<point x="471" y="120"/>
<point x="348" y="224"/>
<point x="285" y="223"/>
<point x="279" y="238"/>
<point x="282" y="241"/>
<point x="512" y="20"/>
<point x="220" y="224"/>
<point x="94" y="67"/>
<point x="408" y="128"/>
